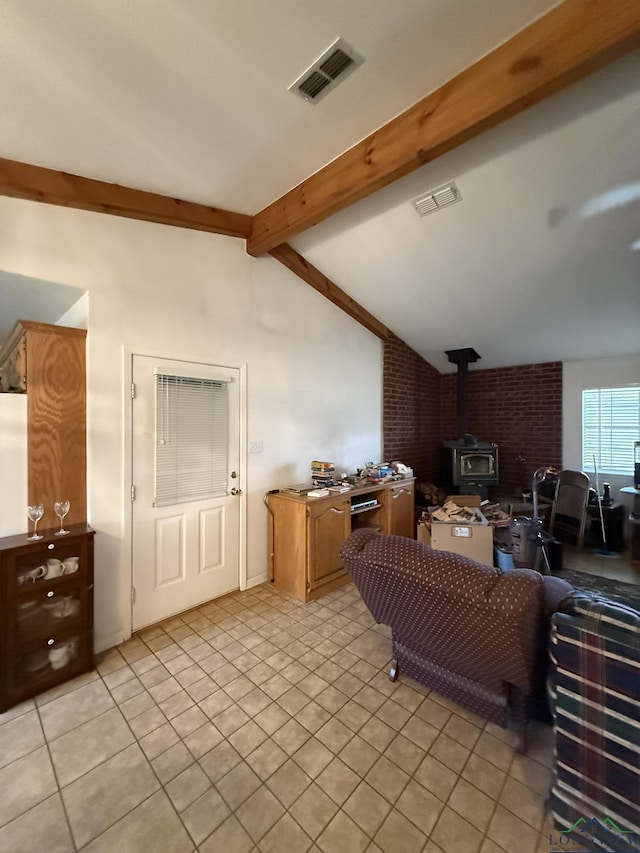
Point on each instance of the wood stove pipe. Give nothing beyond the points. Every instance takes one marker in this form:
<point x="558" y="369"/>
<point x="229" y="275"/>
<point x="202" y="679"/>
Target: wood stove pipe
<point x="462" y="358"/>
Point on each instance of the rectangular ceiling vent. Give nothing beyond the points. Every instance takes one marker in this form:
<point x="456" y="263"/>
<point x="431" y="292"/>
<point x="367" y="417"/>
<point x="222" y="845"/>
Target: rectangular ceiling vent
<point x="329" y="69"/>
<point x="437" y="199"/>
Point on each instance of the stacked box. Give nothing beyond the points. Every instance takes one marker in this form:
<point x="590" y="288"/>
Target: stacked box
<point x="471" y="539"/>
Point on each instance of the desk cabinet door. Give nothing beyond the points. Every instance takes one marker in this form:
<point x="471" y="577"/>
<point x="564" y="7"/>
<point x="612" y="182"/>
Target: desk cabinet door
<point x="401" y="511"/>
<point x="329" y="527"/>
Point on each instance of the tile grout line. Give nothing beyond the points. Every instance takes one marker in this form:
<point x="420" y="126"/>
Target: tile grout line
<point x="151" y="767"/>
<point x="163" y="785"/>
<point x="149" y="762"/>
<point x="273" y="636"/>
<point x="290" y="757"/>
<point x="214" y="785"/>
<point x="55" y="776"/>
<point x="336" y="755"/>
<point x="136" y="741"/>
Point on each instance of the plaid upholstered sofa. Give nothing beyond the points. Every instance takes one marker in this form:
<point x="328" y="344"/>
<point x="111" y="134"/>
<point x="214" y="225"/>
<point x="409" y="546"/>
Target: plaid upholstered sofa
<point x="594" y="682"/>
<point x="470" y="632"/>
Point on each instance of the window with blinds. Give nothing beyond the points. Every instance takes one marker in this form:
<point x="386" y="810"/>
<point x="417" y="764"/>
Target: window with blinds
<point x="610" y="426"/>
<point x="192" y="439"/>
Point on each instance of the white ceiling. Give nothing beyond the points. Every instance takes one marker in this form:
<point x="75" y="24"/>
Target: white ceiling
<point x="519" y="269"/>
<point x="189" y="98"/>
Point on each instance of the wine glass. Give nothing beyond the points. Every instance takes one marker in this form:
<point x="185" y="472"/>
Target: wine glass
<point x="61" y="508"/>
<point x="35" y="513"/>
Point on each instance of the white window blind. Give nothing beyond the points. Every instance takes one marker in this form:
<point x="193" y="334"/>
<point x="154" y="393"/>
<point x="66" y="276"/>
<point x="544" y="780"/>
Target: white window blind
<point x="192" y="439"/>
<point x="610" y="426"/>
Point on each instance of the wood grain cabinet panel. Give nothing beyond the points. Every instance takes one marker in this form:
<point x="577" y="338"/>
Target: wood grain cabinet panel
<point x="401" y="505"/>
<point x="329" y="524"/>
<point x="48" y="363"/>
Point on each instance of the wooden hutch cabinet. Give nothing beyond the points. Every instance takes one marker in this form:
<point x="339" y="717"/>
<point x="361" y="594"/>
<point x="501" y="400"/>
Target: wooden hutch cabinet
<point x="48" y="364"/>
<point x="46" y="611"/>
<point x="306" y="534"/>
<point x="46" y="585"/>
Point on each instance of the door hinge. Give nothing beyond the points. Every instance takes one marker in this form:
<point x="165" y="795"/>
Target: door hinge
<point x="133" y="595"/>
<point x="133" y="391"/>
<point x="133" y="493"/>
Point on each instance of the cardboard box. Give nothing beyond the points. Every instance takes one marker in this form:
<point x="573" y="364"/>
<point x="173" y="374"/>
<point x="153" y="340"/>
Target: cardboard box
<point x="472" y="539"/>
<point x="424" y="532"/>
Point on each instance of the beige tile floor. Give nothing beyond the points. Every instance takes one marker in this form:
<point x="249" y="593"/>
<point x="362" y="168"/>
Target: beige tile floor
<point x="257" y="723"/>
<point x="616" y="566"/>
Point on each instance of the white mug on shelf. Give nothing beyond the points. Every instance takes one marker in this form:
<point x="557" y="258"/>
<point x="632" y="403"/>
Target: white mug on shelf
<point x="62" y="654"/>
<point x="54" y="568"/>
<point x="71" y="565"/>
<point x="32" y="575"/>
<point x="65" y="607"/>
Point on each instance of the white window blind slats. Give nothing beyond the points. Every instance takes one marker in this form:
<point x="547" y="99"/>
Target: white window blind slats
<point x="192" y="440"/>
<point x="610" y="426"/>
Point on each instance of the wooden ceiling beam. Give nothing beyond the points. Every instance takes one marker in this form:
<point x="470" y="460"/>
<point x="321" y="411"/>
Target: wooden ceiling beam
<point x="571" y="41"/>
<point x="307" y="272"/>
<point x="34" y="183"/>
<point x="22" y="180"/>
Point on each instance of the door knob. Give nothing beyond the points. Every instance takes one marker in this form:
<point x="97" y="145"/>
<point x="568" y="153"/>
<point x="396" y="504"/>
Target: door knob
<point x="235" y="491"/>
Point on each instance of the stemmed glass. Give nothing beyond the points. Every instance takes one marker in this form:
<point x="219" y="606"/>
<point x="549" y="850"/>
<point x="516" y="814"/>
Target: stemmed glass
<point x="61" y="508"/>
<point x="35" y="513"/>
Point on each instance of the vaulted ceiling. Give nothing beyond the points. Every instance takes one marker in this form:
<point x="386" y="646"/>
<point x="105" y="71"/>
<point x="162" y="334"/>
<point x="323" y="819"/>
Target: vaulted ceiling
<point x="189" y="101"/>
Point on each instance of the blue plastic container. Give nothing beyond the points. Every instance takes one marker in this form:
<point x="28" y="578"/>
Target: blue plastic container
<point x="503" y="559"/>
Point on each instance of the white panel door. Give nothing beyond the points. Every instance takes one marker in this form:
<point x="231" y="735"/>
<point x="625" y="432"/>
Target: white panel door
<point x="185" y="550"/>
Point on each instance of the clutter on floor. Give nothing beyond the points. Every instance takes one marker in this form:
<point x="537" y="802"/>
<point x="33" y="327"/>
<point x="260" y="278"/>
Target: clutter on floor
<point x="458" y="526"/>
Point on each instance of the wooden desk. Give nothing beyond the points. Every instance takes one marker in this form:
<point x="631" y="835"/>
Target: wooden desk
<point x="306" y="534"/>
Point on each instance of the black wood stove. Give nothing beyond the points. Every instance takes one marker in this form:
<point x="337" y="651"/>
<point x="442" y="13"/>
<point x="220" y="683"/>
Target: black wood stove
<point x="473" y="463"/>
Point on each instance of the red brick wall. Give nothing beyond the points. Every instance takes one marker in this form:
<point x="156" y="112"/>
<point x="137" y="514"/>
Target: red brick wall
<point x="520" y="408"/>
<point x="411" y="409"/>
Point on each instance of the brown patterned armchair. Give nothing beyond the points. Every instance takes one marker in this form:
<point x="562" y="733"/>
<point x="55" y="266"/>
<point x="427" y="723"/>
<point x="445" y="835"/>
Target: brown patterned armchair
<point x="470" y="632"/>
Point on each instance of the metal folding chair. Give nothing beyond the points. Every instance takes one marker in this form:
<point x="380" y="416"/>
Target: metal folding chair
<point x="569" y="512"/>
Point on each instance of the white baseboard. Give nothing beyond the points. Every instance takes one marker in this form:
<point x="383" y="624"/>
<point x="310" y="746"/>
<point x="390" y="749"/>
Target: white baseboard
<point x="256" y="581"/>
<point x="101" y="644"/>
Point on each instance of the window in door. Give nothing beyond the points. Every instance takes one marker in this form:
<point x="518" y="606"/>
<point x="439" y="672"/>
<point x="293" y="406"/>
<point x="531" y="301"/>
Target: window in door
<point x="192" y="439"/>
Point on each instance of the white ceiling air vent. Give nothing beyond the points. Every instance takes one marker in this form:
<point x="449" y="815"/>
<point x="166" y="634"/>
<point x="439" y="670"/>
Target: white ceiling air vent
<point x="436" y="199"/>
<point x="329" y="69"/>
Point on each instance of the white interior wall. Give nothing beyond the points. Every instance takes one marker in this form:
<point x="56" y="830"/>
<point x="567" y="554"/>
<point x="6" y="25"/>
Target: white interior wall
<point x="314" y="375"/>
<point x="594" y="373"/>
<point x="78" y="315"/>
<point x="13" y="465"/>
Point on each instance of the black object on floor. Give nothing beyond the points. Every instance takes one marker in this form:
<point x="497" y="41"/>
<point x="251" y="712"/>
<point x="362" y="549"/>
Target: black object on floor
<point x="554" y="555"/>
<point x="613" y="518"/>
